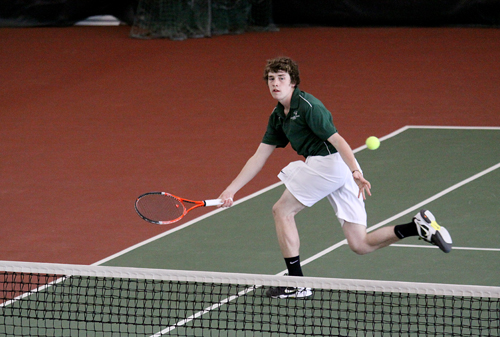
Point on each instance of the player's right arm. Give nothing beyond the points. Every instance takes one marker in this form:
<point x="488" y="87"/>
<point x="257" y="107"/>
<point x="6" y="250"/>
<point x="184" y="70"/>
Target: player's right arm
<point x="247" y="173"/>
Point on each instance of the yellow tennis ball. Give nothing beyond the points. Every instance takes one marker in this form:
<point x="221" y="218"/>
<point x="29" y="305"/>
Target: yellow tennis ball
<point x="372" y="143"/>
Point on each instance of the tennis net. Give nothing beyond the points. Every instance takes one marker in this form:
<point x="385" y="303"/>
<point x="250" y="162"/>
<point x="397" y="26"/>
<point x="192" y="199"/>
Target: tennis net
<point x="39" y="299"/>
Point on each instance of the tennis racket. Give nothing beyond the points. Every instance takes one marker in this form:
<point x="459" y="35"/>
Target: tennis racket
<point x="163" y="208"/>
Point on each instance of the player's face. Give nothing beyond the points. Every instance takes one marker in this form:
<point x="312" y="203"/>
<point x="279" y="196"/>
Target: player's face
<point x="280" y="86"/>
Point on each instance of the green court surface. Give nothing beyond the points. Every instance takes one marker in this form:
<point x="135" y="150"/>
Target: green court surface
<point x="454" y="172"/>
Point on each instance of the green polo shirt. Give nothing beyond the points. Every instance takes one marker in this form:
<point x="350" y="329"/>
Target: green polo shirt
<point x="307" y="126"/>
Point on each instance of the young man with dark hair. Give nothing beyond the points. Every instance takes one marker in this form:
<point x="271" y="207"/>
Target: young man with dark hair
<point x="330" y="170"/>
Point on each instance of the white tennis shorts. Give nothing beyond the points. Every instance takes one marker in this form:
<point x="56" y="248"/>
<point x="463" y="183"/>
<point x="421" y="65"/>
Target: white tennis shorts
<point x="326" y="176"/>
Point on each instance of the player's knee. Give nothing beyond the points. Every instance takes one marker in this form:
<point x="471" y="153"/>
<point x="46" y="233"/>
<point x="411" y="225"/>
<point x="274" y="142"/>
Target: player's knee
<point x="278" y="211"/>
<point x="359" y="247"/>
<point x="281" y="212"/>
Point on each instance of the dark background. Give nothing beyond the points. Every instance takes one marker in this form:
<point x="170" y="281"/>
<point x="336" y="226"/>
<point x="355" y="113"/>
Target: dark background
<point x="26" y="13"/>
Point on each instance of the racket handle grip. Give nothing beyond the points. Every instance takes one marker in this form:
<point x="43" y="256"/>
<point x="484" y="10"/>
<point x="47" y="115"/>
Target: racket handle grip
<point x="213" y="202"/>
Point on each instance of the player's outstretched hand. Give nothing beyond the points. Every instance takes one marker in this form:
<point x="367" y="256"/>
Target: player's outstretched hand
<point x="363" y="184"/>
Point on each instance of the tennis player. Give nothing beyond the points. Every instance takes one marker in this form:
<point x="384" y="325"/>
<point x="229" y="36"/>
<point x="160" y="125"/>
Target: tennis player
<point x="330" y="170"/>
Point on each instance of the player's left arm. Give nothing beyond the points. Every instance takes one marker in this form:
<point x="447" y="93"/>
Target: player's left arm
<point x="348" y="156"/>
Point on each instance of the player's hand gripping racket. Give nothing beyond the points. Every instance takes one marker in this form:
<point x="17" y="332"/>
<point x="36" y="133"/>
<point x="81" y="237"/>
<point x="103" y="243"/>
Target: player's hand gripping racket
<point x="163" y="208"/>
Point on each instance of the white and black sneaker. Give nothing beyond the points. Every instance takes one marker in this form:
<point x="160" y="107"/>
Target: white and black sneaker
<point x="429" y="230"/>
<point x="288" y="292"/>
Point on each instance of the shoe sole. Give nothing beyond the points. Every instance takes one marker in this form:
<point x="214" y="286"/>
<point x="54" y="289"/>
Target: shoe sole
<point x="438" y="240"/>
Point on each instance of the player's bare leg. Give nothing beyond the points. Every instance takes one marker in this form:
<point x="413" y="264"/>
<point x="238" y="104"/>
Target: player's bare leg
<point x="362" y="242"/>
<point x="284" y="212"/>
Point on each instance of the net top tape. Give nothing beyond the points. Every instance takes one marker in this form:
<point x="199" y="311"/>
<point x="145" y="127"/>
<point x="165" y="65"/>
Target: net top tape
<point x="252" y="279"/>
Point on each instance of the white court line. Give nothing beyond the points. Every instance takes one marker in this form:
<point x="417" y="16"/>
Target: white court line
<point x="453" y="127"/>
<point x="205" y="311"/>
<point x="454" y="248"/>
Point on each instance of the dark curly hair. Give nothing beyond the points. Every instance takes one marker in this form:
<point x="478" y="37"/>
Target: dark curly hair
<point x="285" y="64"/>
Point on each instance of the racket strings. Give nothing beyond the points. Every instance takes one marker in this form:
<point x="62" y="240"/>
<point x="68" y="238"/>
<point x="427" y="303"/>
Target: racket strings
<point x="159" y="207"/>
